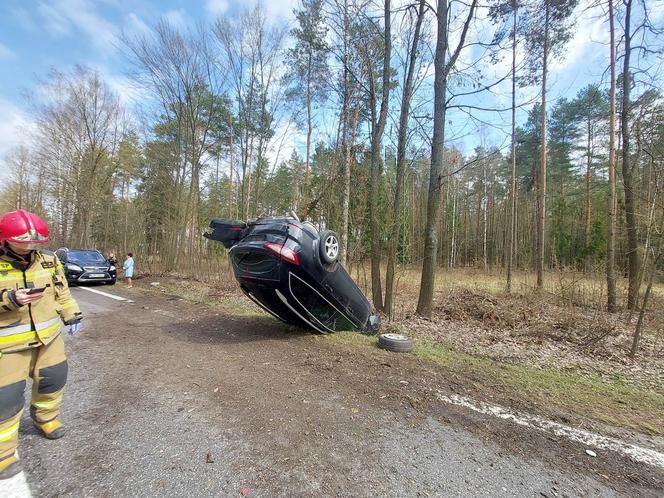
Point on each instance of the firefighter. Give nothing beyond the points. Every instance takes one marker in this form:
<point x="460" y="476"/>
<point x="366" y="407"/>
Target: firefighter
<point x="34" y="300"/>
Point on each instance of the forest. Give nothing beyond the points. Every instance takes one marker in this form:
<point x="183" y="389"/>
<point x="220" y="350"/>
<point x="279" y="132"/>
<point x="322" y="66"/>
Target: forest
<point x="425" y="134"/>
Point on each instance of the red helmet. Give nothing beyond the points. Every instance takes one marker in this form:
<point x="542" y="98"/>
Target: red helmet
<point x="23" y="228"/>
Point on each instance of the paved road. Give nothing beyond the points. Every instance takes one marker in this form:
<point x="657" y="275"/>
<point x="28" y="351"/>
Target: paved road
<point x="164" y="400"/>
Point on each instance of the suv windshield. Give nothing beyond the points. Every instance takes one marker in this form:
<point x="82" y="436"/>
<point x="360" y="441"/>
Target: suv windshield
<point x="86" y="256"/>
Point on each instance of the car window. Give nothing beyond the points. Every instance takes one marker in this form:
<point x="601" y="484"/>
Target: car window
<point x="61" y="255"/>
<point x="87" y="256"/>
<point x="318" y="306"/>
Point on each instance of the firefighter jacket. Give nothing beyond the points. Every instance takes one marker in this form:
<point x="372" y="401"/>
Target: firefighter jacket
<point x="38" y="323"/>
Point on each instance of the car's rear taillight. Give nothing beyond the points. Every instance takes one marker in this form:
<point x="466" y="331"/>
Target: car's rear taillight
<point x="283" y="252"/>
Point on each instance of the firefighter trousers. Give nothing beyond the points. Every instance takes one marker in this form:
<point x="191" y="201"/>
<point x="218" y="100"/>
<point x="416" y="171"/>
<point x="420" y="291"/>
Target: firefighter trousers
<point x="47" y="365"/>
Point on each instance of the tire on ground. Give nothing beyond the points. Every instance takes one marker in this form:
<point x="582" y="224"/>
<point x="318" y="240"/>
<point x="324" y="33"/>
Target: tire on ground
<point x="395" y="342"/>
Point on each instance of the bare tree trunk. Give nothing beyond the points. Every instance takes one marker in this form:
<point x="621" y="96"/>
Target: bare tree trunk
<point x="588" y="211"/>
<point x="515" y="239"/>
<point x="230" y="177"/>
<point x="397" y="207"/>
<point x="427" y="283"/>
<point x="484" y="219"/>
<point x="345" y="202"/>
<point x="476" y="238"/>
<point x="512" y="229"/>
<point x="541" y="191"/>
<point x="305" y="202"/>
<point x="376" y="141"/>
<point x="466" y="226"/>
<point x="627" y="170"/>
<point x="639" y="324"/>
<point x="453" y="244"/>
<point x="611" y="207"/>
<point x="125" y="196"/>
<point x="442" y="69"/>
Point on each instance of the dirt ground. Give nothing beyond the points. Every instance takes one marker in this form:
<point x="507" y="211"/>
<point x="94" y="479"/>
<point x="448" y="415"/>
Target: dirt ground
<point x="261" y="408"/>
<point x="568" y="363"/>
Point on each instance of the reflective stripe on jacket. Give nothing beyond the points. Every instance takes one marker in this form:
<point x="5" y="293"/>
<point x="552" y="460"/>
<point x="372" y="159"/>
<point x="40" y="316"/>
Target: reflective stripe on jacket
<point x="37" y="323"/>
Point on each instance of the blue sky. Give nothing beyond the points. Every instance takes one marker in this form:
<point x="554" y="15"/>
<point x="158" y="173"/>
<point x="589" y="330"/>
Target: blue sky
<point x="38" y="35"/>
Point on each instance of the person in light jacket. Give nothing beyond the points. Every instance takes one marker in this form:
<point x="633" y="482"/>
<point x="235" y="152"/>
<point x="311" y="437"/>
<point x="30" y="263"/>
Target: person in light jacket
<point x="128" y="268"/>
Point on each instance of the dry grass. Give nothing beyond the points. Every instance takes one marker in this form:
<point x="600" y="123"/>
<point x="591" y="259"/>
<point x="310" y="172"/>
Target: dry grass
<point x="571" y="292"/>
<point x="561" y="287"/>
<point x="530" y="317"/>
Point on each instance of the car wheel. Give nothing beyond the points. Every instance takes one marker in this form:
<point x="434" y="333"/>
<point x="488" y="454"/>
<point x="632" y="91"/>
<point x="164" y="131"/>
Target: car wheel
<point x="329" y="247"/>
<point x="395" y="342"/>
<point x="112" y="282"/>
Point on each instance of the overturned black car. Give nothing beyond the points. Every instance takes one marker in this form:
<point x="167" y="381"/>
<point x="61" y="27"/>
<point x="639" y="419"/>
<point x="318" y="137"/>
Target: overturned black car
<point x="290" y="269"/>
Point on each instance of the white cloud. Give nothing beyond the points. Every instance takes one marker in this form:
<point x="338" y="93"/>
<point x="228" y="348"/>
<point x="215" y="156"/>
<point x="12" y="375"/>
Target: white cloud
<point x="216" y="7"/>
<point x="134" y="25"/>
<point x="176" y="18"/>
<point x="282" y="8"/>
<point x="125" y="88"/>
<point x="276" y="9"/>
<point x="590" y="39"/>
<point x="6" y="53"/>
<point x="66" y="17"/>
<point x="656" y="15"/>
<point x="55" y="21"/>
<point x="15" y="126"/>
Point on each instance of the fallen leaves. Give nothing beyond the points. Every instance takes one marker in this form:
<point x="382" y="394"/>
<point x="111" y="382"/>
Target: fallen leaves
<point x="538" y="332"/>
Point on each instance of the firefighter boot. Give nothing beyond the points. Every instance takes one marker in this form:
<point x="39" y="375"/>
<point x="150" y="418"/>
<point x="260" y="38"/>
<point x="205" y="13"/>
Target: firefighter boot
<point x="9" y="467"/>
<point x="53" y="429"/>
